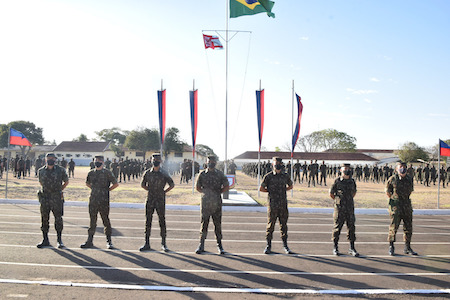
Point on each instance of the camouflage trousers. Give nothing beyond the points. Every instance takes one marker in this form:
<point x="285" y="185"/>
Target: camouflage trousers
<point x="52" y="203"/>
<point x="274" y="213"/>
<point x="214" y="212"/>
<point x="343" y="214"/>
<point x="102" y="207"/>
<point x="160" y="207"/>
<point x="398" y="213"/>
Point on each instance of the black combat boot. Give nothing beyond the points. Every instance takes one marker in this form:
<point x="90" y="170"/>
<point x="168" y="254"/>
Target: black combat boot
<point x="45" y="242"/>
<point x="285" y="246"/>
<point x="164" y="245"/>
<point x="109" y="244"/>
<point x="268" y="249"/>
<point x="352" y="250"/>
<point x="60" y="243"/>
<point x="88" y="243"/>
<point x="220" y="248"/>
<point x="336" y="249"/>
<point x="146" y="246"/>
<point x="391" y="249"/>
<point x="201" y="247"/>
<point x="408" y="249"/>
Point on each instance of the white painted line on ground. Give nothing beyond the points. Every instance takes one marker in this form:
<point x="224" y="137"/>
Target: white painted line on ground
<point x="230" y="254"/>
<point x="198" y="271"/>
<point x="224" y="290"/>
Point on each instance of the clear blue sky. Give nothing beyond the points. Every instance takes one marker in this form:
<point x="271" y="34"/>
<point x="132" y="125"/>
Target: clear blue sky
<point x="377" y="70"/>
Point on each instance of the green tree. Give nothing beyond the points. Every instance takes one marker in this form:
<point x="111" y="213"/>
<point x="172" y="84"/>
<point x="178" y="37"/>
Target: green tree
<point x="205" y="150"/>
<point x="114" y="135"/>
<point x="81" y="138"/>
<point x="411" y="152"/>
<point x="327" y="139"/>
<point x="172" y="141"/>
<point x="143" y="139"/>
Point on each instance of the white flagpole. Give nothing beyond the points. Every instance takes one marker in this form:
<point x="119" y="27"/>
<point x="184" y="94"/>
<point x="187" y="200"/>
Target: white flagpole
<point x="292" y="136"/>
<point x="193" y="150"/>
<point x="439" y="172"/>
<point x="226" y="91"/>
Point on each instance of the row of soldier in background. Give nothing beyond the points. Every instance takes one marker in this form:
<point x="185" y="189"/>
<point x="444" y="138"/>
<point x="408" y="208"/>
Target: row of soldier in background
<point x="313" y="173"/>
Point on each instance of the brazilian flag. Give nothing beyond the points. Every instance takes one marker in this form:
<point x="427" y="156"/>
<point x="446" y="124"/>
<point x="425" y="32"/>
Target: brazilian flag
<point x="250" y="7"/>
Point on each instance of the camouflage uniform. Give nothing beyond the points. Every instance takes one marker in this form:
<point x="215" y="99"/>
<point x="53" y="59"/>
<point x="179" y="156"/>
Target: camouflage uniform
<point x="276" y="186"/>
<point x="400" y="207"/>
<point x="100" y="181"/>
<point x="50" y="197"/>
<point x="344" y="209"/>
<point x="156" y="198"/>
<point x="211" y="182"/>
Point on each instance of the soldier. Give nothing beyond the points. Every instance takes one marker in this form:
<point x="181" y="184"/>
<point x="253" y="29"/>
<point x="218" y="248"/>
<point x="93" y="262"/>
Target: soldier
<point x="442" y="176"/>
<point x="37" y="166"/>
<point x="305" y="171"/>
<point x="426" y="175"/>
<point x="101" y="181"/>
<point x="433" y="174"/>
<point x="311" y="174"/>
<point x="53" y="180"/>
<point x="115" y="168"/>
<point x="342" y="192"/>
<point x="108" y="164"/>
<point x="398" y="188"/>
<point x="419" y="174"/>
<point x="20" y="167"/>
<point x="232" y="168"/>
<point x="154" y="182"/>
<point x="72" y="168"/>
<point x="297" y="167"/>
<point x="276" y="183"/>
<point x="211" y="183"/>
<point x="92" y="164"/>
<point x="323" y="173"/>
<point x="63" y="163"/>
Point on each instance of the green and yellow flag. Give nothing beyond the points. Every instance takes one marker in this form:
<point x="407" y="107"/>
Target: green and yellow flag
<point x="250" y="7"/>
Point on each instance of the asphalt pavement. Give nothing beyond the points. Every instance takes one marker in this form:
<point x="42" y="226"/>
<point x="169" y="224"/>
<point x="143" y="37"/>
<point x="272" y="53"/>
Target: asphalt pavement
<point x="244" y="272"/>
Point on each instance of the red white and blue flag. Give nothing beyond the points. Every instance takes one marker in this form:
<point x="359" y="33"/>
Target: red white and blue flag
<point x="193" y="102"/>
<point x="162" y="114"/>
<point x="18" y="138"/>
<point x="260" y="114"/>
<point x="444" y="149"/>
<point x="297" y="125"/>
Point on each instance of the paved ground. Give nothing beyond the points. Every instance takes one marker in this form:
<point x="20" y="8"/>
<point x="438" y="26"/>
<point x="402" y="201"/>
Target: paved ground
<point x="51" y="273"/>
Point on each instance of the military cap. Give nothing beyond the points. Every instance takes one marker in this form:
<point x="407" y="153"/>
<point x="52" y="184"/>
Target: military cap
<point x="50" y="154"/>
<point x="100" y="157"/>
<point x="212" y="157"/>
<point x="277" y="158"/>
<point x="345" y="165"/>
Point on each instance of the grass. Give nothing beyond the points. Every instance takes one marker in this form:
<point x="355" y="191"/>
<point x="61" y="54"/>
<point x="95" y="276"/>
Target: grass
<point x="369" y="195"/>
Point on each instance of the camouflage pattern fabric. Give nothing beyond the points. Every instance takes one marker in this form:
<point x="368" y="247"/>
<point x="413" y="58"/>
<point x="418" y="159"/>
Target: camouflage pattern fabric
<point x="211" y="182"/>
<point x="276" y="186"/>
<point x="156" y="198"/>
<point x="100" y="181"/>
<point x="50" y="197"/>
<point x="400" y="207"/>
<point x="344" y="209"/>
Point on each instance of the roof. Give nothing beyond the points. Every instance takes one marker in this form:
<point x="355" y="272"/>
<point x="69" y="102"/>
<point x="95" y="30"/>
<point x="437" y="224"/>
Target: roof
<point x="43" y="148"/>
<point x="82" y="147"/>
<point x="346" y="156"/>
<point x="366" y="151"/>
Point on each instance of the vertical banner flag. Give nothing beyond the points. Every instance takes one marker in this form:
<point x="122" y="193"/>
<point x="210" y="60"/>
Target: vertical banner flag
<point x="444" y="149"/>
<point x="212" y="41"/>
<point x="250" y="7"/>
<point x="260" y="113"/>
<point x="193" y="101"/>
<point x="18" y="138"/>
<point x="297" y="125"/>
<point x="162" y="115"/>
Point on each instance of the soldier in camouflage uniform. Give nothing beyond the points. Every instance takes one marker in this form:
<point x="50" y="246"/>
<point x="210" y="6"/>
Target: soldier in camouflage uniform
<point x="101" y="181"/>
<point x="342" y="192"/>
<point x="115" y="168"/>
<point x="211" y="183"/>
<point x="398" y="188"/>
<point x="276" y="183"/>
<point x="154" y="181"/>
<point x="53" y="180"/>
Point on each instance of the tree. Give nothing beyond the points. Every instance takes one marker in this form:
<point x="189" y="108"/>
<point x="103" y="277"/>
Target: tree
<point x="143" y="139"/>
<point x="172" y="141"/>
<point x="205" y="150"/>
<point x="81" y="138"/>
<point x="327" y="139"/>
<point x="114" y="135"/>
<point x="411" y="152"/>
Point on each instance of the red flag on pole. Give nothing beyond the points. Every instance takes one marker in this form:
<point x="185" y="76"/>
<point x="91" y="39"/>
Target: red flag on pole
<point x="18" y="138"/>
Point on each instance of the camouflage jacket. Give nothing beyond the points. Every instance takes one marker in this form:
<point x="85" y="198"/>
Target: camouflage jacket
<point x="211" y="182"/>
<point x="276" y="185"/>
<point x="400" y="188"/>
<point x="343" y="190"/>
<point x="100" y="181"/>
<point x="156" y="181"/>
<point x="52" y="180"/>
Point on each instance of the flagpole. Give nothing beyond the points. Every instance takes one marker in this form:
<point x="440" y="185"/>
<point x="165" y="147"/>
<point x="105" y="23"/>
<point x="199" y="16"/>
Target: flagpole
<point x="7" y="163"/>
<point x="161" y="150"/>
<point x="193" y="149"/>
<point x="226" y="89"/>
<point x="292" y="135"/>
<point x="439" y="172"/>
<point x="259" y="157"/>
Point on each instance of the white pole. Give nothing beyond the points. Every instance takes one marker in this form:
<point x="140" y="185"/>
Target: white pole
<point x="226" y="91"/>
<point x="193" y="151"/>
<point x="292" y="135"/>
<point x="439" y="172"/>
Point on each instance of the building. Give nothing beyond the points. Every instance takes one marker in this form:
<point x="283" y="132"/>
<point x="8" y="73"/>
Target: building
<point x="82" y="153"/>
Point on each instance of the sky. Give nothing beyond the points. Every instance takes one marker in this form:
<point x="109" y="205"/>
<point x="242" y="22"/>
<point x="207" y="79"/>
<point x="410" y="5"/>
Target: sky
<point x="376" y="70"/>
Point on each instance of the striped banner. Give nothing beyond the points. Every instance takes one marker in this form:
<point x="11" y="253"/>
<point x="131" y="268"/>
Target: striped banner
<point x="260" y="114"/>
<point x="297" y="125"/>
<point x="193" y="102"/>
<point x="162" y="115"/>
